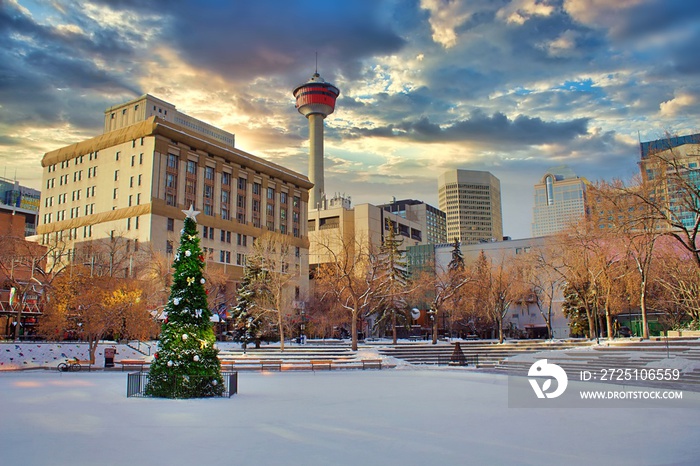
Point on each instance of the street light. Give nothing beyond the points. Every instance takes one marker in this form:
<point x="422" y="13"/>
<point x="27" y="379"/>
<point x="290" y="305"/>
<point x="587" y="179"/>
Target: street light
<point x="433" y="324"/>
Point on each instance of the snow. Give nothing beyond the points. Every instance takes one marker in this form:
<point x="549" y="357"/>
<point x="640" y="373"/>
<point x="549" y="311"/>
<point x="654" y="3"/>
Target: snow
<point x="353" y="417"/>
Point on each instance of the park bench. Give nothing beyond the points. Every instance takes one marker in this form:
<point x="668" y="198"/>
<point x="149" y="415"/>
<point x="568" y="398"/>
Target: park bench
<point x="271" y="365"/>
<point x="133" y="364"/>
<point x="321" y="364"/>
<point x="371" y="364"/>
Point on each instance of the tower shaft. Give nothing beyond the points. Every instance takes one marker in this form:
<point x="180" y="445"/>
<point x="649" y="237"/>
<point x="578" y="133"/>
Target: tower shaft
<point x="316" y="159"/>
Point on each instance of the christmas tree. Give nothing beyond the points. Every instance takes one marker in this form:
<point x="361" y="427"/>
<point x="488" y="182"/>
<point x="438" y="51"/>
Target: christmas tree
<point x="186" y="364"/>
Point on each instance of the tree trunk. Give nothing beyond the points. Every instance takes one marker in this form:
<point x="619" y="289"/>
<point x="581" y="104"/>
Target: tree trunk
<point x="591" y="324"/>
<point x="281" y="327"/>
<point x="500" y="330"/>
<point x="92" y="349"/>
<point x="393" y="327"/>
<point x="643" y="309"/>
<point x="353" y="330"/>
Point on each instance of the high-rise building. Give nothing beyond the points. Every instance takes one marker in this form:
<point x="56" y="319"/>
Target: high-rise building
<point x="471" y="201"/>
<point x="560" y="199"/>
<point x="315" y="99"/>
<point x="134" y="181"/>
<point x="673" y="164"/>
<point x="431" y="219"/>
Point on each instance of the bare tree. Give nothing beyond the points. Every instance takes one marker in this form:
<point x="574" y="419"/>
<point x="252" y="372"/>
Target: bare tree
<point x="90" y="308"/>
<point x="540" y="275"/>
<point x="671" y="195"/>
<point x="348" y="276"/>
<point x="274" y="254"/>
<point x="29" y="268"/>
<point x="497" y="284"/>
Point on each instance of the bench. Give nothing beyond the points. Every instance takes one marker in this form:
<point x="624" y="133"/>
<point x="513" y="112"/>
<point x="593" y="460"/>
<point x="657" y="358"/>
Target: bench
<point x="133" y="364"/>
<point x="84" y="363"/>
<point x="371" y="364"/>
<point x="415" y="338"/>
<point x="271" y="365"/>
<point x="321" y="364"/>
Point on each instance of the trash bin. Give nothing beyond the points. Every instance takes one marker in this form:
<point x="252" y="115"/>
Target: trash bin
<point x="109" y="356"/>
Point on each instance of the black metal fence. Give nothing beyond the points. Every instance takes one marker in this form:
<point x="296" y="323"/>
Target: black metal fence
<point x="136" y="383"/>
<point x="463" y="360"/>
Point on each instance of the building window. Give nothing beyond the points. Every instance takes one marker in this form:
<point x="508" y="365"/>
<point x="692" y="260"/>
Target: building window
<point x="116" y="156"/>
<point x="116" y="193"/>
<point x="283" y="198"/>
<point x="172" y="161"/>
<point x="271" y="193"/>
<point x="168" y="247"/>
<point x="256" y="188"/>
<point x="209" y="173"/>
<point x="241" y="184"/>
<point x="226" y="179"/>
<point x="171" y="224"/>
<point x="116" y="175"/>
<point x="192" y="167"/>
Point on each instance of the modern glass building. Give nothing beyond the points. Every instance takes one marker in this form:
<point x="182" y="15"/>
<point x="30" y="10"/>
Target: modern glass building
<point x="560" y="199"/>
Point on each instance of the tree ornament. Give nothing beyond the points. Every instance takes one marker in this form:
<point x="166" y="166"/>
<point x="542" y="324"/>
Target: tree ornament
<point x="202" y="281"/>
<point x="176" y="301"/>
<point x="188" y="253"/>
<point x="184" y="336"/>
<point x="170" y="364"/>
<point x="191" y="213"/>
<point x="196" y="358"/>
<point x="190" y="280"/>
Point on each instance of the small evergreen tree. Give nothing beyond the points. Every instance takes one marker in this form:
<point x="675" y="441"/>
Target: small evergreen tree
<point x="186" y="364"/>
<point x="393" y="280"/>
<point x="248" y="326"/>
<point x="457" y="261"/>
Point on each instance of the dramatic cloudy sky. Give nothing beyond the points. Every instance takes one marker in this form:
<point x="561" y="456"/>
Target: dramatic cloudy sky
<point x="512" y="87"/>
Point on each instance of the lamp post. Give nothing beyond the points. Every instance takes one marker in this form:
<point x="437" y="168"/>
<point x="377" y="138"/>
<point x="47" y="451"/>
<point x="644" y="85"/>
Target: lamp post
<point x="433" y="324"/>
<point x="302" y="326"/>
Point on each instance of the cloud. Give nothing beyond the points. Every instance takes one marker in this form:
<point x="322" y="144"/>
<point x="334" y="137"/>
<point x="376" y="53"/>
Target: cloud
<point x="678" y="105"/>
<point x="519" y="11"/>
<point x="496" y="129"/>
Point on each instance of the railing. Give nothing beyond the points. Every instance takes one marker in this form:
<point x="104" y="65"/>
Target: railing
<point x="465" y="360"/>
<point x="136" y="383"/>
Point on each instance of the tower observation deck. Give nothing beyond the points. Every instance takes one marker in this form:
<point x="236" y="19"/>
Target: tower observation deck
<point x="315" y="99"/>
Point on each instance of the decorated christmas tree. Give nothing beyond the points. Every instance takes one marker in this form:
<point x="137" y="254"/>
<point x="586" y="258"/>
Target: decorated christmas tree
<point x="186" y="364"/>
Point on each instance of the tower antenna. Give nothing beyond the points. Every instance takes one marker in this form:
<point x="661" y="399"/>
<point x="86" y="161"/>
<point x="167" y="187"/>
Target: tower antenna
<point x="317" y="61"/>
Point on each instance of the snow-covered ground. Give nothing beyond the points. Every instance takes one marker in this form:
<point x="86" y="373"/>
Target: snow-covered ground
<point x="387" y="417"/>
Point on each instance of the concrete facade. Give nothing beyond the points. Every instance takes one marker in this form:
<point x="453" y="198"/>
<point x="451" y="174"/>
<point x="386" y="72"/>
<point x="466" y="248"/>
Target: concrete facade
<point x="134" y="182"/>
<point x="472" y="202"/>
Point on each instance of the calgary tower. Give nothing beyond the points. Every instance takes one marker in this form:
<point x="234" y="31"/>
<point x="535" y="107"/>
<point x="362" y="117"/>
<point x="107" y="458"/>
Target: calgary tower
<point x="316" y="100"/>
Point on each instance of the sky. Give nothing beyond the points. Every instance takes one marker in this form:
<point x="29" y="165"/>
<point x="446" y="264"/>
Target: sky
<point x="510" y="87"/>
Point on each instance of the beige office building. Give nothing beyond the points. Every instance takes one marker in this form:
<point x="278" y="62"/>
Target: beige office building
<point x="471" y="201"/>
<point x="338" y="225"/>
<point x="151" y="163"/>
